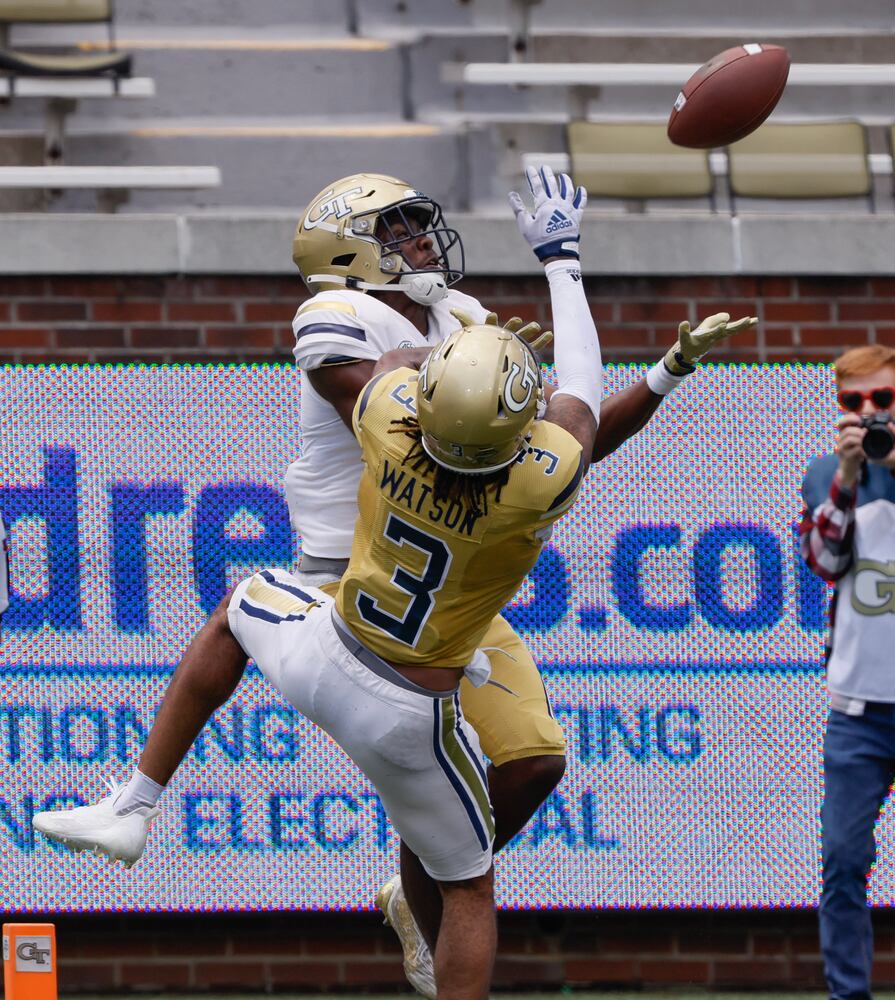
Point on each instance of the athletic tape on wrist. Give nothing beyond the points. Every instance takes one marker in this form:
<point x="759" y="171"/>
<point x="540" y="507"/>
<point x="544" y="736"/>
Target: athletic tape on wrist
<point x="563" y="270"/>
<point x="661" y="381"/>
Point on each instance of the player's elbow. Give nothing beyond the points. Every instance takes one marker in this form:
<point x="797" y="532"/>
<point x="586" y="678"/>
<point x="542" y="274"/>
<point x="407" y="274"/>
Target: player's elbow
<point x="386" y="363"/>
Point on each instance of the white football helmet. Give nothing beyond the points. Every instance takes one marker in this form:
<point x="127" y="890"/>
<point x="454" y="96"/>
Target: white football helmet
<point x="352" y="233"/>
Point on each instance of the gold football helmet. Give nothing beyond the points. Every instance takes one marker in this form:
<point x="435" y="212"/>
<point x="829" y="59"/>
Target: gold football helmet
<point x="477" y="396"/>
<point x="353" y="235"/>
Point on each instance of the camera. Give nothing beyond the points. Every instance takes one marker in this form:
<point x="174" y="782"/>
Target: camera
<point x="879" y="439"/>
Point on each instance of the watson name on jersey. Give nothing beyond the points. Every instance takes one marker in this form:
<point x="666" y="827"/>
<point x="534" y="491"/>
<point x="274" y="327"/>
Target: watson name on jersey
<point x="427" y="575"/>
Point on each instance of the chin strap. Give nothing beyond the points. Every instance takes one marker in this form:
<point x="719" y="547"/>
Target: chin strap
<point x="425" y="288"/>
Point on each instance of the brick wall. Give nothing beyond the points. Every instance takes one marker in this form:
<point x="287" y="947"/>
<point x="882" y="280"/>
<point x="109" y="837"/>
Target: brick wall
<point x="77" y="320"/>
<point x="355" y="952"/>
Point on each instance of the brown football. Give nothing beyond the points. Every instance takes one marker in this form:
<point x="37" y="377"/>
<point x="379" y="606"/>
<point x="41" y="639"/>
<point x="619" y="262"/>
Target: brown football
<point x="729" y="97"/>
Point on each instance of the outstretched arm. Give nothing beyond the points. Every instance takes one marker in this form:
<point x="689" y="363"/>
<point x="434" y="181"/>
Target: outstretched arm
<point x="622" y="415"/>
<point x="625" y="413"/>
<point x="552" y="229"/>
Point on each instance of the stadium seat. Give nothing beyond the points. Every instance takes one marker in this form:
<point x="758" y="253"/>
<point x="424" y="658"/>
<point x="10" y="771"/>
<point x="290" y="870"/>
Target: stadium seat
<point x="15" y="62"/>
<point x="827" y="160"/>
<point x="636" y="160"/>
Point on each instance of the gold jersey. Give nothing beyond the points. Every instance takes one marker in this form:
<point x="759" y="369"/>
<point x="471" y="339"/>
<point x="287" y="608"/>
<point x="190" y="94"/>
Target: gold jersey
<point x="427" y="576"/>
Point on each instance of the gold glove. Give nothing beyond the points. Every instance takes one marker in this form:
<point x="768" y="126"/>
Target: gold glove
<point x="693" y="345"/>
<point x="531" y="333"/>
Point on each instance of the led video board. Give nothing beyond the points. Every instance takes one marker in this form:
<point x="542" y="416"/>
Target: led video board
<point x="679" y="634"/>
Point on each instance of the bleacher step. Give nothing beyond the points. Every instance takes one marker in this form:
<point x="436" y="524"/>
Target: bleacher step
<point x="272" y="79"/>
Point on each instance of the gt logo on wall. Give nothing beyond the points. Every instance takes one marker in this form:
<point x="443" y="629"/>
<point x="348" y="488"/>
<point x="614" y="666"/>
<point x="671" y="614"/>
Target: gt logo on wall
<point x="679" y="635"/>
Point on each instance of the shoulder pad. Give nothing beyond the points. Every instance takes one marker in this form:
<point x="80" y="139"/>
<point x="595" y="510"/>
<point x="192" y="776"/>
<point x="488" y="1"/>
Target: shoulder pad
<point x="557" y="457"/>
<point x="332" y="325"/>
<point x="389" y="395"/>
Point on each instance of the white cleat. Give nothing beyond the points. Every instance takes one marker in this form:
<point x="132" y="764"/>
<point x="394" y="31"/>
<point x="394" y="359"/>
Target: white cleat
<point x="99" y="829"/>
<point x="417" y="958"/>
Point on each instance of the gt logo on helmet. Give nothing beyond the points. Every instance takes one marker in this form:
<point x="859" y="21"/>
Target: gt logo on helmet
<point x="335" y="206"/>
<point x="520" y="382"/>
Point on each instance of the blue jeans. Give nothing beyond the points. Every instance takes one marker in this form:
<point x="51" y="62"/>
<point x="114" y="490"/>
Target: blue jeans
<point x="859" y="766"/>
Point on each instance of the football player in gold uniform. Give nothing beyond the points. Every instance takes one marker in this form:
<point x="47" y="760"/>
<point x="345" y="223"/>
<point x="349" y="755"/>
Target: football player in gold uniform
<point x="460" y="488"/>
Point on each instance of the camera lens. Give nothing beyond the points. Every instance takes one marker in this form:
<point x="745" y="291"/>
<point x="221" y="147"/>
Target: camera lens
<point x="879" y="440"/>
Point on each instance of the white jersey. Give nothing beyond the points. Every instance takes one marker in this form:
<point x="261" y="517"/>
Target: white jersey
<point x="860" y="664"/>
<point x="334" y="328"/>
<point x="860" y="658"/>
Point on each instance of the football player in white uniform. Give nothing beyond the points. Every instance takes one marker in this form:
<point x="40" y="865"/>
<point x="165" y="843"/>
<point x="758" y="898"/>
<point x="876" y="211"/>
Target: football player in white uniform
<point x="381" y="264"/>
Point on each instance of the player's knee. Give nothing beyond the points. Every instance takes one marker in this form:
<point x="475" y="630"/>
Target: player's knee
<point x="219" y="620"/>
<point x="479" y="887"/>
<point x="218" y="635"/>
<point x="544" y="773"/>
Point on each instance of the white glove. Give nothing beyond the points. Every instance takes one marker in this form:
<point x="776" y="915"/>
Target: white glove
<point x="553" y="229"/>
<point x="692" y="345"/>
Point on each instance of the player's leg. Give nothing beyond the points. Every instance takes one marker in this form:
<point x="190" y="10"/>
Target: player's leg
<point x="518" y="733"/>
<point x="437" y="846"/>
<point x="464" y="954"/>
<point x="859" y="761"/>
<point x="205" y="678"/>
<point x="433" y="790"/>
<point x="520" y="736"/>
<point x="118" y="825"/>
<point x="518" y="788"/>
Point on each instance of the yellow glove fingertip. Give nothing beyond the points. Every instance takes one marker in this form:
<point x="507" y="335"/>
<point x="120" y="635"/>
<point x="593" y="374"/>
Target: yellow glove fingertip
<point x="528" y="331"/>
<point x="464" y="319"/>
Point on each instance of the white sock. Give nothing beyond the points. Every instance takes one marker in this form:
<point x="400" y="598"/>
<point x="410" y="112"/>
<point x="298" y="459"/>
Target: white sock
<point x="139" y="791"/>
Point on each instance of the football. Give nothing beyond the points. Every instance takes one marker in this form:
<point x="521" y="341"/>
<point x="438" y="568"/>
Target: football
<point x="729" y="97"/>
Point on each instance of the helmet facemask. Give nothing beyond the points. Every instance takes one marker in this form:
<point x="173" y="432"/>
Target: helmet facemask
<point x="357" y="234"/>
<point x="406" y="222"/>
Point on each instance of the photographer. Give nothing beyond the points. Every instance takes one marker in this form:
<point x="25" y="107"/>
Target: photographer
<point x="848" y="537"/>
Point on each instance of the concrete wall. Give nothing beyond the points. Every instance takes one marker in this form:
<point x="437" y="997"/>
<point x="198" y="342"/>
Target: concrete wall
<point x="260" y="243"/>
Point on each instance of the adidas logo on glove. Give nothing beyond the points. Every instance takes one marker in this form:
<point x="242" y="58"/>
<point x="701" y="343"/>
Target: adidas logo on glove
<point x="558" y="221"/>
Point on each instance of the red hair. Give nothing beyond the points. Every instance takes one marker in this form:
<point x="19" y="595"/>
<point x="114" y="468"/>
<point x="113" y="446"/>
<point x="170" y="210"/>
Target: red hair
<point x="864" y="361"/>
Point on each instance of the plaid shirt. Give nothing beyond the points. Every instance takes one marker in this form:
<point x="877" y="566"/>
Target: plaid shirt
<point x="827" y="533"/>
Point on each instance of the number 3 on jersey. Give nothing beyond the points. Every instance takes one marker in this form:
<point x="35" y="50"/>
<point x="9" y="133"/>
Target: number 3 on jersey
<point x="420" y="588"/>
